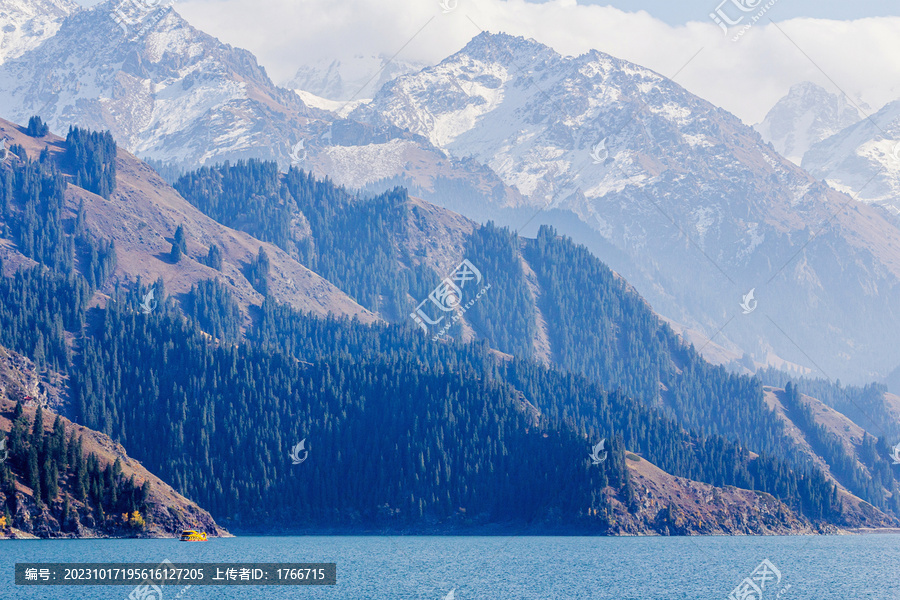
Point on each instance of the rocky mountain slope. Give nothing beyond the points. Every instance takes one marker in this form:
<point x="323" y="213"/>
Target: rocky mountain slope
<point x="141" y="217"/>
<point x="164" y="89"/>
<point x="675" y="506"/>
<point x="850" y="436"/>
<point x="25" y="25"/>
<point x="168" y="512"/>
<point x="805" y="116"/>
<point x="863" y="159"/>
<point x="677" y="195"/>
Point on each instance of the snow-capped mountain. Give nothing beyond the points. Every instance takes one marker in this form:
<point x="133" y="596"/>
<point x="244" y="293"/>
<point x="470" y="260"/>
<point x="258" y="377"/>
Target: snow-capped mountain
<point x="863" y="160"/>
<point x="164" y="89"/>
<point x="805" y="116"/>
<point x="348" y="79"/>
<point x="24" y="25"/>
<point x="679" y="196"/>
<point x="174" y="94"/>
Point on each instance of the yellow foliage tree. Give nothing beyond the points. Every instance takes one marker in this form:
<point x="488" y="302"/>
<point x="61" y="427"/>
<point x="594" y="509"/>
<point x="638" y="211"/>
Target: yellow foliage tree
<point x="137" y="520"/>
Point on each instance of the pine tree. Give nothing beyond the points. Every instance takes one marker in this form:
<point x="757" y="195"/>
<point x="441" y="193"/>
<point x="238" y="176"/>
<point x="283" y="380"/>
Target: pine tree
<point x="36" y="127"/>
<point x="258" y="272"/>
<point x="34" y="474"/>
<point x="179" y="245"/>
<point x="65" y="514"/>
<point x="37" y="430"/>
<point x="214" y="257"/>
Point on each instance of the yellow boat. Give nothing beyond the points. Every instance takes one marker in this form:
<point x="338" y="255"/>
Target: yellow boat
<point x="189" y="535"/>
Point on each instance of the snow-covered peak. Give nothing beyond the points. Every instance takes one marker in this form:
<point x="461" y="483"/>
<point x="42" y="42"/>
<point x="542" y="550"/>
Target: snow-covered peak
<point x="24" y="24"/>
<point x="805" y="116"/>
<point x="349" y="79"/>
<point x="163" y="88"/>
<point x="863" y="160"/>
<point x="502" y="47"/>
<point x="681" y="197"/>
<point x="533" y="115"/>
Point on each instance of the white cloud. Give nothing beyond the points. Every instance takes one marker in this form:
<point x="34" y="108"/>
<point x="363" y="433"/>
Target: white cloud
<point x="745" y="77"/>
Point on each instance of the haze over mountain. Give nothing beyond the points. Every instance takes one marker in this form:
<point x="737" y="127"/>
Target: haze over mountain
<point x="350" y="79"/>
<point x="863" y="159"/>
<point x="805" y="116"/>
<point x="689" y="204"/>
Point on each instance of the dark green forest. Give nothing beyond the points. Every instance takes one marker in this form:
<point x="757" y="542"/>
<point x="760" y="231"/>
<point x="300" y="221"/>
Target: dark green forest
<point x="864" y="405"/>
<point x="66" y="480"/>
<point x="91" y="157"/>
<point x="403" y="432"/>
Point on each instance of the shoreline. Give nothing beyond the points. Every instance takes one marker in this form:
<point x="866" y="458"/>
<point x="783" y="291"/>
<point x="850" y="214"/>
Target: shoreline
<point x="21" y="535"/>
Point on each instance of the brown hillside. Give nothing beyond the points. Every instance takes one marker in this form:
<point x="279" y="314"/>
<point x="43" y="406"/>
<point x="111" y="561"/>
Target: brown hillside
<point x="141" y="217"/>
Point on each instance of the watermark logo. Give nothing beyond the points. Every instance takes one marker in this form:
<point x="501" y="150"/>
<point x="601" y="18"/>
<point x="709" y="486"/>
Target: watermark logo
<point x="782" y="590"/>
<point x="752" y="587"/>
<point x="599" y="454"/>
<point x="132" y="12"/>
<point x="148" y="590"/>
<point x="733" y="12"/>
<point x="449" y="5"/>
<point x="748" y="303"/>
<point x="451" y="595"/>
<point x="599" y="153"/>
<point x="721" y="17"/>
<point x="149" y="304"/>
<point x="3" y="449"/>
<point x="447" y="297"/>
<point x="294" y="454"/>
<point x="296" y="157"/>
<point x="896" y="454"/>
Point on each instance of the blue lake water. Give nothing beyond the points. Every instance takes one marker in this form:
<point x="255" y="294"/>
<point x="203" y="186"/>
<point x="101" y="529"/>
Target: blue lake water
<point x="515" y="568"/>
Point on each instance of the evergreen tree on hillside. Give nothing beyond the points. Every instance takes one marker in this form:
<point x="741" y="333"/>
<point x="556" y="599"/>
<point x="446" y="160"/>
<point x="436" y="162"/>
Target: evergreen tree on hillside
<point x="92" y="158"/>
<point x="258" y="272"/>
<point x="213" y="258"/>
<point x="215" y="310"/>
<point x="353" y="241"/>
<point x="179" y="245"/>
<point x="52" y="464"/>
<point x="36" y="127"/>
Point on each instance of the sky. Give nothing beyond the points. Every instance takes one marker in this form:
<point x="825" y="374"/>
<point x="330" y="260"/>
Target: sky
<point x="681" y="12"/>
<point x="850" y="48"/>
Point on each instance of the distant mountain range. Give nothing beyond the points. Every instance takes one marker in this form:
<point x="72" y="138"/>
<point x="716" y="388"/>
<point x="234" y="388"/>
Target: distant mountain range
<point x="680" y="197"/>
<point x="804" y="117"/>
<point x="677" y="195"/>
<point x="356" y="78"/>
<point x="863" y="159"/>
<point x="854" y="149"/>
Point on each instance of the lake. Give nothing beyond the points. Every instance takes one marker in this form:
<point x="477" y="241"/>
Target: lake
<point x="501" y="568"/>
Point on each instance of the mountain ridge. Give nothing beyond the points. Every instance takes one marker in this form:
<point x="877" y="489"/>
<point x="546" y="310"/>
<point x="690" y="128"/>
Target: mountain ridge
<point x="805" y="116"/>
<point x="759" y="220"/>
